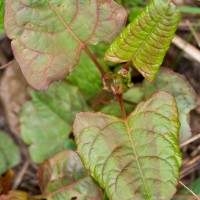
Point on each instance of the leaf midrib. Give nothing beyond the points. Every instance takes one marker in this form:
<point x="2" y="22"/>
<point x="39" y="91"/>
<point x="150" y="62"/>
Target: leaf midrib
<point x="136" y="157"/>
<point x="66" y="26"/>
<point x="150" y="33"/>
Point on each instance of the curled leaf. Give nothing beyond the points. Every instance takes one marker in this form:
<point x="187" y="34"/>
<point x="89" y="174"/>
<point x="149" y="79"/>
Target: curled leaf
<point x="64" y="177"/>
<point x="48" y="36"/>
<point x="146" y="40"/>
<point x="138" y="158"/>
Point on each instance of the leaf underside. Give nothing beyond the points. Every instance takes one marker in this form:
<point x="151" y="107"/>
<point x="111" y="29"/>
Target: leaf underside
<point x="64" y="177"/>
<point x="175" y="84"/>
<point x="134" y="159"/>
<point x="146" y="40"/>
<point x="46" y="121"/>
<point x="48" y="36"/>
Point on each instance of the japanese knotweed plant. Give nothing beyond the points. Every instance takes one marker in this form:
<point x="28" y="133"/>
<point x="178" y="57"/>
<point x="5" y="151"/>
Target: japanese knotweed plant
<point x="133" y="157"/>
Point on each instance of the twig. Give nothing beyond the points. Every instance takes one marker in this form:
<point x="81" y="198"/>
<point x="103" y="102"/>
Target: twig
<point x="190" y="166"/>
<point x="197" y="197"/>
<point x="20" y="175"/>
<point x="196" y="137"/>
<point x="189" y="49"/>
<point x="7" y="64"/>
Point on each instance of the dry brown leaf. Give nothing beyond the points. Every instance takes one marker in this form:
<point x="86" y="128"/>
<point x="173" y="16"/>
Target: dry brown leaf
<point x="13" y="93"/>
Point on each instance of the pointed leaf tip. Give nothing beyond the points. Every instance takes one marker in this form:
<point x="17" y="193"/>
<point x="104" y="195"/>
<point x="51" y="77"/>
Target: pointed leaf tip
<point x="146" y="40"/>
<point x="49" y="36"/>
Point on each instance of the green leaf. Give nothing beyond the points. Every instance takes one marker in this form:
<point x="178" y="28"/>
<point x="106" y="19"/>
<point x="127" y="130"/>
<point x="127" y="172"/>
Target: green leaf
<point x="46" y="120"/>
<point x="146" y="40"/>
<point x="2" y="4"/>
<point x="188" y="9"/>
<point x="175" y="84"/>
<point x="9" y="153"/>
<point x="195" y="187"/>
<point x="86" y="73"/>
<point x="70" y="145"/>
<point x="63" y="177"/>
<point x="114" y="109"/>
<point x="49" y="36"/>
<point x="138" y="158"/>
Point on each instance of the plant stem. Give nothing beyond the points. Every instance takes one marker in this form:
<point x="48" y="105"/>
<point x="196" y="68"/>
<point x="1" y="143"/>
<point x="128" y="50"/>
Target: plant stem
<point x="100" y="68"/>
<point x="127" y="65"/>
<point x="121" y="104"/>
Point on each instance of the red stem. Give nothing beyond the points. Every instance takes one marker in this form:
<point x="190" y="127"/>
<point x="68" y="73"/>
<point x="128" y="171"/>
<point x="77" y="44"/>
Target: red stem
<point x="121" y="104"/>
<point x="100" y="68"/>
<point x="127" y="65"/>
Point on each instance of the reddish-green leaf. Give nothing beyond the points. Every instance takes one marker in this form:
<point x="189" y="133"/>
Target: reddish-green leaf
<point x="63" y="177"/>
<point x="49" y="36"/>
<point x="137" y="158"/>
<point x="175" y="84"/>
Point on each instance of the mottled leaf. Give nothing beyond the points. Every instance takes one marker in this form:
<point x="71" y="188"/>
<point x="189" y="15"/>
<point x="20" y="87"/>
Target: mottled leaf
<point x="175" y="84"/>
<point x="136" y="158"/>
<point x="146" y="40"/>
<point x="9" y="153"/>
<point x="46" y="120"/>
<point x="2" y="5"/>
<point x="63" y="177"/>
<point x="49" y="36"/>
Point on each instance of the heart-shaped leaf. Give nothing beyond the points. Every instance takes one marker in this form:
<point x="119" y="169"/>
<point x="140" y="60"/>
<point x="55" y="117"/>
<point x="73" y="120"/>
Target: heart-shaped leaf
<point x="177" y="85"/>
<point x="49" y="36"/>
<point x="138" y="158"/>
<point x="63" y="177"/>
<point x="146" y="40"/>
<point x="46" y="121"/>
<point x="9" y="153"/>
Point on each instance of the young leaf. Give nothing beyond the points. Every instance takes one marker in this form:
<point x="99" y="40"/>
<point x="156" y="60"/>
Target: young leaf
<point x="49" y="36"/>
<point x="63" y="177"/>
<point x="146" y="40"/>
<point x="46" y="120"/>
<point x="138" y="158"/>
<point x="9" y="153"/>
<point x="2" y="4"/>
<point x="175" y="84"/>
